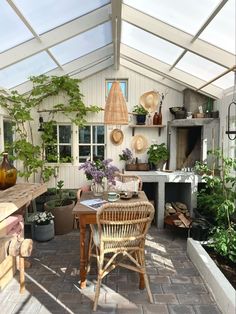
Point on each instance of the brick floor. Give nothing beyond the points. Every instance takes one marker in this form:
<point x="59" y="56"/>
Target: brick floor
<point x="52" y="282"/>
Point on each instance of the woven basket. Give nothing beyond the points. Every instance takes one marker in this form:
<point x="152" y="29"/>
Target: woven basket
<point x="115" y="109"/>
<point x="143" y="167"/>
<point x="131" y="167"/>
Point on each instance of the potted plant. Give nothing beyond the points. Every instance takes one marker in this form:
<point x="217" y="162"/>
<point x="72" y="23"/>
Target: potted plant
<point x="217" y="201"/>
<point x="127" y="156"/>
<point x="140" y="113"/>
<point x="98" y="170"/>
<point x="43" y="228"/>
<point x="157" y="155"/>
<point x="61" y="207"/>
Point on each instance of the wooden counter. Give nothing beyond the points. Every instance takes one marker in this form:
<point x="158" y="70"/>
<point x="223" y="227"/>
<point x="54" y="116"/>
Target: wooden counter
<point x="17" y="196"/>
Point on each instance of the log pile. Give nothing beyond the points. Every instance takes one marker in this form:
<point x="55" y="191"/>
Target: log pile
<point x="177" y="214"/>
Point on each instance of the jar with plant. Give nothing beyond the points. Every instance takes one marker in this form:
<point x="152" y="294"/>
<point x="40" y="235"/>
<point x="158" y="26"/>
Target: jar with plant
<point x="216" y="200"/>
<point x="140" y="113"/>
<point x="157" y="155"/>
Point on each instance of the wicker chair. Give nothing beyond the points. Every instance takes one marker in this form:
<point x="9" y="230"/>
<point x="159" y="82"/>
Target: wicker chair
<point x="129" y="177"/>
<point x="120" y="233"/>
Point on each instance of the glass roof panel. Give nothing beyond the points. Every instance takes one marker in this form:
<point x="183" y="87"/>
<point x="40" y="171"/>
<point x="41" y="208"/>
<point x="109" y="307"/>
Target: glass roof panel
<point x="199" y="66"/>
<point x="221" y="31"/>
<point x="187" y="15"/>
<point x="225" y="81"/>
<point x="12" y="30"/>
<point x="44" y="15"/>
<point x="21" y="71"/>
<point x="150" y="44"/>
<point x="82" y="44"/>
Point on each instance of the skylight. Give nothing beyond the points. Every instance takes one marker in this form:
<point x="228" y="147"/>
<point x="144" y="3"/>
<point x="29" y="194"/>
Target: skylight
<point x="12" y="29"/>
<point x="150" y="44"/>
<point x="200" y="67"/>
<point x="44" y="15"/>
<point x="21" y="71"/>
<point x="187" y="15"/>
<point x="82" y="44"/>
<point x="225" y="81"/>
<point x="222" y="29"/>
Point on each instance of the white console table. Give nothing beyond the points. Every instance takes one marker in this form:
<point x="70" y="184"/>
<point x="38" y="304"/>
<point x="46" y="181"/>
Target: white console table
<point x="171" y="187"/>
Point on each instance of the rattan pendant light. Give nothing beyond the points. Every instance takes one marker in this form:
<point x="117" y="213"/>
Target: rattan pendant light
<point x="116" y="112"/>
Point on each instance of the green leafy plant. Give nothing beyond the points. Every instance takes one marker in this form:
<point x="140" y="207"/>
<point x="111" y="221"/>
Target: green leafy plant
<point x="217" y="199"/>
<point x="157" y="153"/>
<point x="20" y="108"/>
<point x="140" y="110"/>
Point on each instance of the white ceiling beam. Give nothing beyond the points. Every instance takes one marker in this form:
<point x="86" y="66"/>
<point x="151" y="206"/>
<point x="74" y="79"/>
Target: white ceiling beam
<point x="176" y="75"/>
<point x="55" y="36"/>
<point x="177" y="37"/>
<point x="23" y="19"/>
<point x="151" y="74"/>
<point x="71" y="67"/>
<point x="116" y="6"/>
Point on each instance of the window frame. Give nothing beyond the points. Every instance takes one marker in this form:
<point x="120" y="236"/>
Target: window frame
<point x="121" y="80"/>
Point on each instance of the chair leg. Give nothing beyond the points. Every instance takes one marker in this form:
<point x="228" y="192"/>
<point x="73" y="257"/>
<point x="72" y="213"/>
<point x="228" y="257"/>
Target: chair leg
<point x="148" y="287"/>
<point x="99" y="281"/>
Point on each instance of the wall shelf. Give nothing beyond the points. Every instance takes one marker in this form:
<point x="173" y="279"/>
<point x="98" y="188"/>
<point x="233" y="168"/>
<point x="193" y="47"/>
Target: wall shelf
<point x="134" y="126"/>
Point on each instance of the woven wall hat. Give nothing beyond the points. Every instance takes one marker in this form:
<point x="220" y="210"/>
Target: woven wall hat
<point x="116" y="136"/>
<point x="139" y="143"/>
<point x="150" y="100"/>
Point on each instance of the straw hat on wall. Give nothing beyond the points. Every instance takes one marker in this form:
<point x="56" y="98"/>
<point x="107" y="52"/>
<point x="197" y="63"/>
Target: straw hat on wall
<point x="116" y="136"/>
<point x="139" y="143"/>
<point x="150" y="100"/>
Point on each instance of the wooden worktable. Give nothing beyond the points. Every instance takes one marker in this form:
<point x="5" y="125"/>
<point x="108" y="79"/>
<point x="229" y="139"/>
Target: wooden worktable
<point x="17" y="196"/>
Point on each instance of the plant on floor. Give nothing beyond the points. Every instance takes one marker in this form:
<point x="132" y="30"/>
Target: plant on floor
<point x="20" y="108"/>
<point x="218" y="198"/>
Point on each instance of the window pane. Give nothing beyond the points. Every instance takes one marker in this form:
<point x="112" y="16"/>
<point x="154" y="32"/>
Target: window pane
<point x="147" y="43"/>
<point x="44" y="15"/>
<point x="199" y="66"/>
<point x="188" y="15"/>
<point x="51" y="153"/>
<point x="8" y="135"/>
<point x="21" y="71"/>
<point x="64" y="134"/>
<point x="12" y="30"/>
<point x="98" y="152"/>
<point x="85" y="135"/>
<point x="84" y="153"/>
<point x="221" y="31"/>
<point x="65" y="153"/>
<point x="82" y="44"/>
<point x="225" y="81"/>
<point x="123" y="86"/>
<point x="98" y="134"/>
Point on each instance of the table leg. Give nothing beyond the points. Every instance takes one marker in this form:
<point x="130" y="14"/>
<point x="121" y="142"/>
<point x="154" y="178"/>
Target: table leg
<point x="141" y="282"/>
<point x="83" y="260"/>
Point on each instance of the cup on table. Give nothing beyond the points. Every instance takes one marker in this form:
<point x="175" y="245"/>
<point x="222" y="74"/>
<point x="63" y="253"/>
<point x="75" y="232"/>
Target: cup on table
<point x="113" y="196"/>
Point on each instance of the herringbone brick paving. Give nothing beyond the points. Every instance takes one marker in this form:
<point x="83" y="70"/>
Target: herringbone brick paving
<point x="52" y="282"/>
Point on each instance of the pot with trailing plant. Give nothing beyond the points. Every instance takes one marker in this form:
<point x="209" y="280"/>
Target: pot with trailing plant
<point x="158" y="154"/>
<point x="61" y="207"/>
<point x="140" y="112"/>
<point x="43" y="226"/>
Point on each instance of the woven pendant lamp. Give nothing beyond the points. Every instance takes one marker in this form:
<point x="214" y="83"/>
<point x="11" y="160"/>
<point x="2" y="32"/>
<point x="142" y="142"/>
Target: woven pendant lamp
<point x="115" y="109"/>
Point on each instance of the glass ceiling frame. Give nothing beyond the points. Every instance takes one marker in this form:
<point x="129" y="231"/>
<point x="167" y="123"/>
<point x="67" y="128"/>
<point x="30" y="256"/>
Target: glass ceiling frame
<point x="189" y="43"/>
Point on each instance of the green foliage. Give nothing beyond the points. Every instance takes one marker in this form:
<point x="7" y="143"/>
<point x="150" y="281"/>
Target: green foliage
<point x="19" y="108"/>
<point x="140" y="110"/>
<point x="217" y="198"/>
<point x="157" y="153"/>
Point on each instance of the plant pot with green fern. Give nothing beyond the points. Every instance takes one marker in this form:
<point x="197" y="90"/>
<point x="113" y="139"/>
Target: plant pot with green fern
<point x="158" y="154"/>
<point x="61" y="207"/>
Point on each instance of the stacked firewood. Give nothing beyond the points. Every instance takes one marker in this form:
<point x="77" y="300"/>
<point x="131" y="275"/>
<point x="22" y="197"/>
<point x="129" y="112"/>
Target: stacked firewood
<point x="178" y="214"/>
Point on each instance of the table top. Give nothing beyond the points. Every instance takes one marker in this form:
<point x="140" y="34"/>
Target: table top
<point x="83" y="209"/>
<point x="17" y="196"/>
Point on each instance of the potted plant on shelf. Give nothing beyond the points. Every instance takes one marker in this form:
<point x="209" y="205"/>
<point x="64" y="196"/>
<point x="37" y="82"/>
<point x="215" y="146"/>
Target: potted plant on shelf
<point x="140" y="113"/>
<point x="61" y="207"/>
<point x="97" y="171"/>
<point x="157" y="155"/>
<point x="43" y="228"/>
